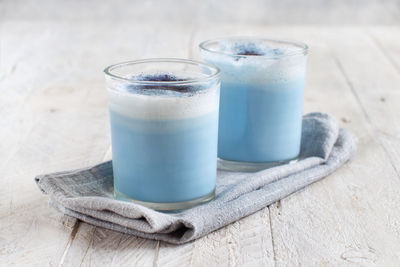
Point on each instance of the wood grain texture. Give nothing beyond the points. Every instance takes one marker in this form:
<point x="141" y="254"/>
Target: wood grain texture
<point x="244" y="243"/>
<point x="53" y="116"/>
<point x="340" y="218"/>
<point x="45" y="118"/>
<point x="382" y="104"/>
<point x="92" y="244"/>
<point x="323" y="218"/>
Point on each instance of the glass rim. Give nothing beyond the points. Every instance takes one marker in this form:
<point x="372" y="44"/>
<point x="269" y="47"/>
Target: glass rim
<point x="215" y="71"/>
<point x="302" y="51"/>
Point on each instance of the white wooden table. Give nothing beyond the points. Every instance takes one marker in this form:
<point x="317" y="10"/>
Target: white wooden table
<point x="53" y="117"/>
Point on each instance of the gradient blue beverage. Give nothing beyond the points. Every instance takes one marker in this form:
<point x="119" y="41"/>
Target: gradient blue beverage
<point x="164" y="128"/>
<point x="261" y="103"/>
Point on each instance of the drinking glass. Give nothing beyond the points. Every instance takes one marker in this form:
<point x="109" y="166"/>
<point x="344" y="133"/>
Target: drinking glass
<point x="164" y="128"/>
<point x="261" y="105"/>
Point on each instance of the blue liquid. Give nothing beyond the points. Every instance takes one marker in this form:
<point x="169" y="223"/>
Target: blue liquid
<point x="164" y="160"/>
<point x="260" y="122"/>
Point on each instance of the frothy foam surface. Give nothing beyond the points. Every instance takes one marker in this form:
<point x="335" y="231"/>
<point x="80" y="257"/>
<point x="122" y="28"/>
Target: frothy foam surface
<point x="256" y="61"/>
<point x="163" y="101"/>
<point x="253" y="48"/>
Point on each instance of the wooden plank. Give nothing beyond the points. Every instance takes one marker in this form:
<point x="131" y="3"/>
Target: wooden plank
<point x="350" y="217"/>
<point x="376" y="86"/>
<point x="50" y="112"/>
<point x="47" y="115"/>
<point x="332" y="217"/>
<point x="31" y="232"/>
<point x="244" y="243"/>
<point x="96" y="246"/>
<point x="384" y="102"/>
<point x="387" y="39"/>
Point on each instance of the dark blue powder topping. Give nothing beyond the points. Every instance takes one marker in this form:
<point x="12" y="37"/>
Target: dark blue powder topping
<point x="254" y="49"/>
<point x="248" y="49"/>
<point x="161" y="78"/>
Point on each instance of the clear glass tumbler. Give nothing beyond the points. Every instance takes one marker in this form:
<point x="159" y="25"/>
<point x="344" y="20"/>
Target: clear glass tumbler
<point x="261" y="102"/>
<point x="164" y="128"/>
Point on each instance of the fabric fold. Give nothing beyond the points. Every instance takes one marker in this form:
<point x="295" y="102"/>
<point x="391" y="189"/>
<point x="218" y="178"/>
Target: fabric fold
<point x="87" y="194"/>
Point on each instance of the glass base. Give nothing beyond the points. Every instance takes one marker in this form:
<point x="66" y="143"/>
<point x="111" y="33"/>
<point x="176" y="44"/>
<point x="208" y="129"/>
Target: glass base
<point x="242" y="166"/>
<point x="167" y="206"/>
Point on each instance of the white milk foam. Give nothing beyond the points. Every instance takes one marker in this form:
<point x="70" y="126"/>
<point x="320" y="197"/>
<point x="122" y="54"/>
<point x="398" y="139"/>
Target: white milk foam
<point x="271" y="66"/>
<point x="162" y="104"/>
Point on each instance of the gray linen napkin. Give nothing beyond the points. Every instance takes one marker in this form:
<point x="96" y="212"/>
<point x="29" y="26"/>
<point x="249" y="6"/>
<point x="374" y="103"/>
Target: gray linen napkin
<point x="87" y="194"/>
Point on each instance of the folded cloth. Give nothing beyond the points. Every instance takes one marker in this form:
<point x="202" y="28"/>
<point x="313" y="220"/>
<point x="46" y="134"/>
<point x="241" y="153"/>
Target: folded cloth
<point x="87" y="194"/>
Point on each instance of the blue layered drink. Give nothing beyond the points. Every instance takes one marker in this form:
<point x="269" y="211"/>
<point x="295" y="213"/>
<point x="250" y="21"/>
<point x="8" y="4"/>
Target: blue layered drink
<point x="164" y="128"/>
<point x="261" y="100"/>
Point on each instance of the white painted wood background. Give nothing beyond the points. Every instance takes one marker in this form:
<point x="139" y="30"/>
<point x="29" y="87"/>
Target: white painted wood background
<point x="53" y="117"/>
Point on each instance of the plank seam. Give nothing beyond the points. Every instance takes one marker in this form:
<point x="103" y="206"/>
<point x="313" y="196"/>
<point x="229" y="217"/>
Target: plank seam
<point x="89" y="245"/>
<point x="272" y="234"/>
<point x="69" y="243"/>
<point x="155" y="261"/>
<point x="115" y="254"/>
<point x="368" y="119"/>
